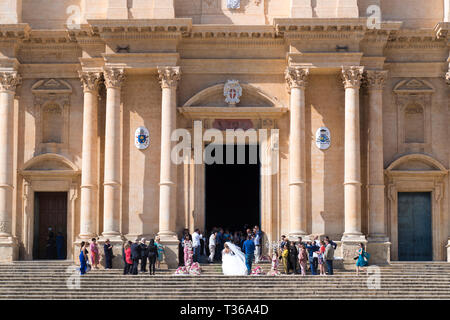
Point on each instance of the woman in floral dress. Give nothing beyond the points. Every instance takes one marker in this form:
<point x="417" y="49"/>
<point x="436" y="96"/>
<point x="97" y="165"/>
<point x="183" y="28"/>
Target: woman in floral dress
<point x="94" y="253"/>
<point x="188" y="252"/>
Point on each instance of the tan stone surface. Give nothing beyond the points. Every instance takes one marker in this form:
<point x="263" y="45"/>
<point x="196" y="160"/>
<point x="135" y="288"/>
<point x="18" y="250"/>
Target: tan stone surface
<point x="383" y="141"/>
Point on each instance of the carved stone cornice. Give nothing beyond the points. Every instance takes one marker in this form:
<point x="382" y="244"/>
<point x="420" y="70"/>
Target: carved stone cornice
<point x="169" y="76"/>
<point x="296" y="77"/>
<point x="352" y="76"/>
<point x="90" y="80"/>
<point x="375" y="79"/>
<point x="114" y="77"/>
<point x="9" y="81"/>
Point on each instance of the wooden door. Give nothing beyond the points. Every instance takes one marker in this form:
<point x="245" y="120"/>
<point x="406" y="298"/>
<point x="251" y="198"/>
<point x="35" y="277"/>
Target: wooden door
<point x="50" y="212"/>
<point x="414" y="226"/>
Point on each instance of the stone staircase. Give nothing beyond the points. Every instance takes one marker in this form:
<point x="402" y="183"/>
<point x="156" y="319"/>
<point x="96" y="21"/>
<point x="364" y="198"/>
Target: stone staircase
<point x="48" y="280"/>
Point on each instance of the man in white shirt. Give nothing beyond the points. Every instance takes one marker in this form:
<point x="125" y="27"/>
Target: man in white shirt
<point x="196" y="236"/>
<point x="257" y="240"/>
<point x="212" y="246"/>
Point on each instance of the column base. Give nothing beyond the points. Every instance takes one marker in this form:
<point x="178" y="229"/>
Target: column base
<point x="9" y="249"/>
<point x="170" y="242"/>
<point x="349" y="246"/>
<point x="293" y="236"/>
<point x="379" y="249"/>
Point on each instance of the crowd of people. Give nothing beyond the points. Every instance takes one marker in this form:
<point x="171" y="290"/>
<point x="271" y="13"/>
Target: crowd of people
<point x="197" y="245"/>
<point x="134" y="255"/>
<point x="296" y="257"/>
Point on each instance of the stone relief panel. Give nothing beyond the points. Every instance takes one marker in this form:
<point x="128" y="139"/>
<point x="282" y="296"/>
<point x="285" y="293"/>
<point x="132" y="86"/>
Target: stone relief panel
<point x="51" y="111"/>
<point x="413" y="99"/>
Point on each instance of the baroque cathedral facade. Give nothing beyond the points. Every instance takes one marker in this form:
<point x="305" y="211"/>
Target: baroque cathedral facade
<point x="352" y="96"/>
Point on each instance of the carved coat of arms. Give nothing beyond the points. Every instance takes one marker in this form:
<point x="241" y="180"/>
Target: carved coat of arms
<point x="323" y="139"/>
<point x="233" y="4"/>
<point x="232" y="92"/>
<point x="142" y="138"/>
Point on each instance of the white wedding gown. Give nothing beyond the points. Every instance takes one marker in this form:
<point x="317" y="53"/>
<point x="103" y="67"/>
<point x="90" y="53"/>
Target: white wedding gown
<point x="233" y="263"/>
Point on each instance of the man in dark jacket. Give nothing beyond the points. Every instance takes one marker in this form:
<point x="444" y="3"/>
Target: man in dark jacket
<point x="144" y="255"/>
<point x="135" y="256"/>
<point x="108" y="250"/>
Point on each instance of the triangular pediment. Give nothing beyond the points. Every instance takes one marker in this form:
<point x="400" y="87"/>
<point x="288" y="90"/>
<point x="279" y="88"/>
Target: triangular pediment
<point x="51" y="86"/>
<point x="413" y="86"/>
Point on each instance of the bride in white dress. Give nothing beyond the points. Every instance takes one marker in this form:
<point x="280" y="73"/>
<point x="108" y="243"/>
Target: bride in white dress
<point x="233" y="261"/>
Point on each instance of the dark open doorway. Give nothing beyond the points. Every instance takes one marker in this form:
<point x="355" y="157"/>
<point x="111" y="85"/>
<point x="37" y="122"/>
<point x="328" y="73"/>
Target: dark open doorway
<point x="50" y="225"/>
<point x="233" y="192"/>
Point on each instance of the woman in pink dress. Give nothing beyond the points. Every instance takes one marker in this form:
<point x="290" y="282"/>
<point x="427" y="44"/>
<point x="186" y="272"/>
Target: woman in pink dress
<point x="94" y="253"/>
<point x="303" y="259"/>
<point x="188" y="251"/>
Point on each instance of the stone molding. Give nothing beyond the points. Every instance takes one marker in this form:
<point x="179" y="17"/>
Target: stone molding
<point x="114" y="77"/>
<point x="375" y="79"/>
<point x="90" y="80"/>
<point x="9" y="81"/>
<point x="296" y="77"/>
<point x="169" y="77"/>
<point x="352" y="77"/>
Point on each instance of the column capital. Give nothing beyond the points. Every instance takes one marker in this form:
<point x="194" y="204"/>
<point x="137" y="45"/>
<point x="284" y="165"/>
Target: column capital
<point x="90" y="80"/>
<point x="375" y="79"/>
<point x="296" y="77"/>
<point x="114" y="77"/>
<point x="9" y="80"/>
<point x="169" y="76"/>
<point x="352" y="76"/>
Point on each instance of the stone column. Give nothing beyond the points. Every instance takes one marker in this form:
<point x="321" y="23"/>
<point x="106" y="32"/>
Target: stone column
<point x="378" y="241"/>
<point x="447" y="79"/>
<point x="296" y="78"/>
<point x="89" y="174"/>
<point x="352" y="171"/>
<point x="8" y="244"/>
<point x="114" y="78"/>
<point x="169" y="77"/>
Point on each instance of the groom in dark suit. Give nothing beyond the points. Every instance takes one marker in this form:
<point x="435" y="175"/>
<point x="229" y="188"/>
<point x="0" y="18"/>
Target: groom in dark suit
<point x="249" y="250"/>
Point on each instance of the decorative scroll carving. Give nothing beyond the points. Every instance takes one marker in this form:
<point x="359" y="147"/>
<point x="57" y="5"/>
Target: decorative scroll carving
<point x="90" y="80"/>
<point x="375" y="79"/>
<point x="9" y="81"/>
<point x="352" y="76"/>
<point x="296" y="77"/>
<point x="5" y="227"/>
<point x="224" y="124"/>
<point x="114" y="77"/>
<point x="169" y="76"/>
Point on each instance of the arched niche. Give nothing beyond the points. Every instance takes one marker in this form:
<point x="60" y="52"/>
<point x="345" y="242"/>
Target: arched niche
<point x="418" y="173"/>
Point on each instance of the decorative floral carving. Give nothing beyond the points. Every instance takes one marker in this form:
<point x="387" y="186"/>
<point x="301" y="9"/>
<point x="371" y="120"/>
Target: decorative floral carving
<point x="375" y="79"/>
<point x="114" y="77"/>
<point x="9" y="81"/>
<point x="296" y="77"/>
<point x="90" y="80"/>
<point x="4" y="227"/>
<point x="169" y="76"/>
<point x="352" y="76"/>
